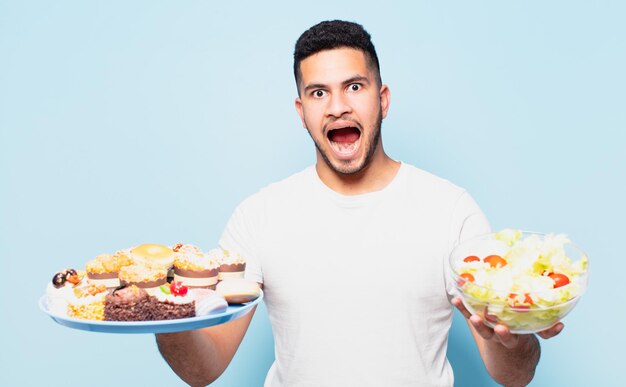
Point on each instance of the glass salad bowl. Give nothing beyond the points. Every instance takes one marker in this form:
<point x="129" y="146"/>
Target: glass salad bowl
<point x="525" y="280"/>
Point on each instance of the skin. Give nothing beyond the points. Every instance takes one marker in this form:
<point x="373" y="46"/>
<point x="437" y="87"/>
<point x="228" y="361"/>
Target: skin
<point x="338" y="89"/>
<point x="199" y="357"/>
<point x="510" y="359"/>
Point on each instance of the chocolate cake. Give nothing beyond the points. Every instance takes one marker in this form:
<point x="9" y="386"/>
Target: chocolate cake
<point x="170" y="311"/>
<point x="129" y="303"/>
<point x="132" y="303"/>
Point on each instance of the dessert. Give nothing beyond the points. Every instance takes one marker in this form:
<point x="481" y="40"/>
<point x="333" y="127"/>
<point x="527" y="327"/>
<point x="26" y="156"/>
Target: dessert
<point x="146" y="277"/>
<point x="88" y="302"/>
<point x="131" y="303"/>
<point x="60" y="290"/>
<point x="232" y="265"/>
<point x="238" y="291"/>
<point x="173" y="302"/>
<point x="193" y="268"/>
<point x="150" y="254"/>
<point x="208" y="301"/>
<point x="128" y="303"/>
<point x="132" y="285"/>
<point x="105" y="268"/>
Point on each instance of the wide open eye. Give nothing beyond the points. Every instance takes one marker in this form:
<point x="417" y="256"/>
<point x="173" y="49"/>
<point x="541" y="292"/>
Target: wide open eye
<point x="354" y="87"/>
<point x="319" y="93"/>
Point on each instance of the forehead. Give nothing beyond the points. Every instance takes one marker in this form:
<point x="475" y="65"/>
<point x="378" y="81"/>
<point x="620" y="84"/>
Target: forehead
<point x="334" y="66"/>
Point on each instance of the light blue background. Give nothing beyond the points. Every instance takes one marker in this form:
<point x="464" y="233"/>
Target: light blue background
<point x="124" y="122"/>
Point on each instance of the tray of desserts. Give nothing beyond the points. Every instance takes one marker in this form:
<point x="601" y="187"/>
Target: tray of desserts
<point x="152" y="289"/>
<point x="232" y="312"/>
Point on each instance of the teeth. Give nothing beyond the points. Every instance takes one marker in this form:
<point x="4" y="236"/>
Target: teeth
<point x="343" y="147"/>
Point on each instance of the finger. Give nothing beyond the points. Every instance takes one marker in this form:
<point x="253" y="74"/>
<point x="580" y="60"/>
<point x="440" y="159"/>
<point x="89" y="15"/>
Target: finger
<point x="505" y="336"/>
<point x="484" y="331"/>
<point x="552" y="331"/>
<point x="458" y="303"/>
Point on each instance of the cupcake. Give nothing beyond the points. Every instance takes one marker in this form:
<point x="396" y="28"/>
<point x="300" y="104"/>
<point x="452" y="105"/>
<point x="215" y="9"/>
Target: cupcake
<point x="105" y="268"/>
<point x="194" y="268"/>
<point x="232" y="265"/>
<point x="146" y="277"/>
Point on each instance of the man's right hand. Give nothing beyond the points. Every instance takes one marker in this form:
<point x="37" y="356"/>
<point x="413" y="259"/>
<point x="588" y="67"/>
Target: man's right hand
<point x="199" y="357"/>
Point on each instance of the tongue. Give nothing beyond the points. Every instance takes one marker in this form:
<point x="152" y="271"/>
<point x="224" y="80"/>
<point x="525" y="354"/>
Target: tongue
<point x="344" y="135"/>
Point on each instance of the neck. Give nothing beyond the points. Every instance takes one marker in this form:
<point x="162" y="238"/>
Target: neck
<point x="373" y="177"/>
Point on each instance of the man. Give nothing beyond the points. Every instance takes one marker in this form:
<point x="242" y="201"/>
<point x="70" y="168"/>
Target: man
<point x="351" y="252"/>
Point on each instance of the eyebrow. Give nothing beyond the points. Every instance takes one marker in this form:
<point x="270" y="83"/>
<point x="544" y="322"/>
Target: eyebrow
<point x="354" y="79"/>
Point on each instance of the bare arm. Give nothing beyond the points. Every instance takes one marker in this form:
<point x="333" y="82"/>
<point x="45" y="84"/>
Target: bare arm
<point x="201" y="356"/>
<point x="510" y="359"/>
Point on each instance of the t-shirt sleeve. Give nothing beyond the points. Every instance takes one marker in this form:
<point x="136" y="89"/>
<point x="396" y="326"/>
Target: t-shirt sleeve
<point x="240" y="236"/>
<point x="467" y="221"/>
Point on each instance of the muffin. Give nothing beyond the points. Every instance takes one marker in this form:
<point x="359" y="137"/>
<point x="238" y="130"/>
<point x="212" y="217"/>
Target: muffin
<point x="105" y="268"/>
<point x="194" y="268"/>
<point x="146" y="277"/>
<point x="232" y="265"/>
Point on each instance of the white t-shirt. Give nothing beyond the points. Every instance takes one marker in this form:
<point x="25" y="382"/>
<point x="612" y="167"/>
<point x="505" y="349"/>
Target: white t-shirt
<point x="354" y="285"/>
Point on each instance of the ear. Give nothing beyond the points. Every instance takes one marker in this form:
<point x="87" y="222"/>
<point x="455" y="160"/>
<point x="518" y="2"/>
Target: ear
<point x="385" y="99"/>
<point x="300" y="111"/>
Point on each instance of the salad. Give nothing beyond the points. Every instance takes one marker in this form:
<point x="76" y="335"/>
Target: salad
<point x="527" y="281"/>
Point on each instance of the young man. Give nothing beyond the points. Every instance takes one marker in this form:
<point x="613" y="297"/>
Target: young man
<point x="351" y="251"/>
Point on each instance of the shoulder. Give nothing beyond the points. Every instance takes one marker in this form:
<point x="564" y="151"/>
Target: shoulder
<point x="437" y="194"/>
<point x="428" y="184"/>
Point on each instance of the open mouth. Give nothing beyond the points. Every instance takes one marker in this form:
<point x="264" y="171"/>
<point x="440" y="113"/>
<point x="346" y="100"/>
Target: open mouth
<point x="344" y="141"/>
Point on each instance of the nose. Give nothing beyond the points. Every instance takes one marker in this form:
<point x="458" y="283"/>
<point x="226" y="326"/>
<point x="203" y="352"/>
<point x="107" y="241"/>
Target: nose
<point x="338" y="105"/>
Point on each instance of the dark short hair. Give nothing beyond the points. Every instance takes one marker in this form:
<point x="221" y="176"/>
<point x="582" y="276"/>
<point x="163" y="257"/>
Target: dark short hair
<point x="328" y="35"/>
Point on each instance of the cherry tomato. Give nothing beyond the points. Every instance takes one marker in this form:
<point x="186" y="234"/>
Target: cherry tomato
<point x="559" y="279"/>
<point x="178" y="289"/>
<point x="495" y="261"/>
<point x="468" y="276"/>
<point x="519" y="303"/>
<point x="471" y="258"/>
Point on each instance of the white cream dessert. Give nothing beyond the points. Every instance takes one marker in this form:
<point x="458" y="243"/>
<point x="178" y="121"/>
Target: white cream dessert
<point x="164" y="294"/>
<point x="60" y="290"/>
<point x="57" y="299"/>
<point x="208" y="301"/>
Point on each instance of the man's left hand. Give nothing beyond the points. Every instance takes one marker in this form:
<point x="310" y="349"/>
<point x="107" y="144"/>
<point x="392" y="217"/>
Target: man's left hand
<point x="500" y="332"/>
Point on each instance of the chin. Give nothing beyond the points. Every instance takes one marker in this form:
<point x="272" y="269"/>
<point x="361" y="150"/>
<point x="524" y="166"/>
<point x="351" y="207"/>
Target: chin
<point x="347" y="167"/>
